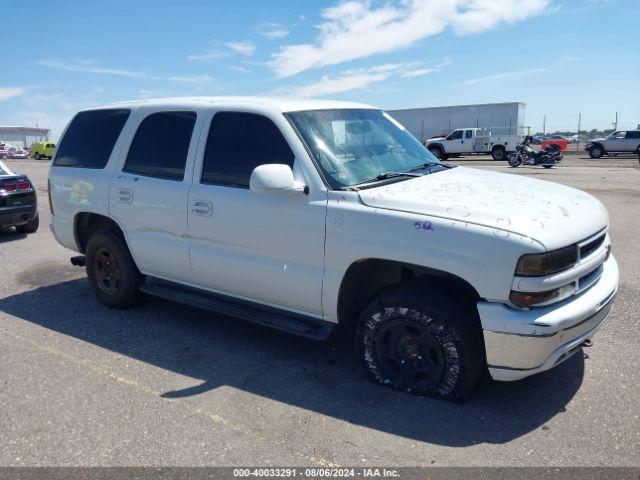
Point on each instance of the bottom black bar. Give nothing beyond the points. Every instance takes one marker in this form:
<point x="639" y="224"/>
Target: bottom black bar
<point x="409" y="473"/>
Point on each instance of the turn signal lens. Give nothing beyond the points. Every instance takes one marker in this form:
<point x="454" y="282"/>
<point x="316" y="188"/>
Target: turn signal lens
<point x="540" y="264"/>
<point x="532" y="299"/>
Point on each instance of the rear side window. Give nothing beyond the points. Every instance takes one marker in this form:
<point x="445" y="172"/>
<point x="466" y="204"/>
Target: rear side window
<point x="90" y="138"/>
<point x="468" y="133"/>
<point x="633" y="134"/>
<point x="239" y="142"/>
<point x="161" y="145"/>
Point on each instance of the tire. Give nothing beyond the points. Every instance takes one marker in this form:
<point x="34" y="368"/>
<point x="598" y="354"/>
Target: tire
<point x="37" y="156"/>
<point x="30" y="227"/>
<point x="513" y="160"/>
<point x="596" y="151"/>
<point x="112" y="273"/>
<point x="4" y="156"/>
<point x="424" y="334"/>
<point x="498" y="153"/>
<point x="438" y="153"/>
<point x="547" y="166"/>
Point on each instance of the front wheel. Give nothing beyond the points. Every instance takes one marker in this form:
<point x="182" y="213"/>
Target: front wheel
<point x="37" y="156"/>
<point x="420" y="341"/>
<point x="113" y="275"/>
<point x="596" y="151"/>
<point x="438" y="153"/>
<point x="547" y="166"/>
<point x="514" y="160"/>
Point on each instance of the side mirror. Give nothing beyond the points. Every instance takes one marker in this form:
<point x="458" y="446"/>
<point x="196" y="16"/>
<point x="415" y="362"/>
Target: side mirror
<point x="275" y="178"/>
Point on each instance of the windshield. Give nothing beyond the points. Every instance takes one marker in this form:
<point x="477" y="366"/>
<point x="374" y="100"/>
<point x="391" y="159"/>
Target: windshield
<point x="354" y="145"/>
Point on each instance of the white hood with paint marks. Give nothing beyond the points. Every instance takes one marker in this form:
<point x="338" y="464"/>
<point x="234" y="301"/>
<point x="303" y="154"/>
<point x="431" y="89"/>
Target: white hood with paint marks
<point x="550" y="213"/>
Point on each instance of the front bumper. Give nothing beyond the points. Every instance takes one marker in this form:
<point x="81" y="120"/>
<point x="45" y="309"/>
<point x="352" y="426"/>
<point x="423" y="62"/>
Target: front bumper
<point x="520" y="343"/>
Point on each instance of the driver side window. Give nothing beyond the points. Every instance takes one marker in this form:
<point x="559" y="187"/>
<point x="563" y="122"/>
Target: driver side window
<point x="237" y="143"/>
<point x="456" y="135"/>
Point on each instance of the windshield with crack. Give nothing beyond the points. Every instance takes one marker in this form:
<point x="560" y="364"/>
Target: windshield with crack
<point x="352" y="146"/>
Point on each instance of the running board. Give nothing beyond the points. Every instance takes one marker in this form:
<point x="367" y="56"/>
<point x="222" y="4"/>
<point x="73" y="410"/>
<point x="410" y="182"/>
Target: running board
<point x="282" y="320"/>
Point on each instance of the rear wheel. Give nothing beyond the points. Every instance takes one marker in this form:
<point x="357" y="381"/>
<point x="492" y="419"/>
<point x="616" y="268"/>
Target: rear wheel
<point x="113" y="275"/>
<point x="30" y="227"/>
<point x="547" y="166"/>
<point x="419" y="341"/>
<point x="498" y="153"/>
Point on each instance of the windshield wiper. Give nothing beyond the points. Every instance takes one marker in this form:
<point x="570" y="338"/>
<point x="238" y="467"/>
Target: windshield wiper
<point x="386" y="176"/>
<point x="424" y="166"/>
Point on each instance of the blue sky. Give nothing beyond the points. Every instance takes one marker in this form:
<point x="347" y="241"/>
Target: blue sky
<point x="560" y="57"/>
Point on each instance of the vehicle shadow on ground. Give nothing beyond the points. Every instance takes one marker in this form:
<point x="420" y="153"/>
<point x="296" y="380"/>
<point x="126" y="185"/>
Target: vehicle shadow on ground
<point x="10" y="235"/>
<point x="317" y="376"/>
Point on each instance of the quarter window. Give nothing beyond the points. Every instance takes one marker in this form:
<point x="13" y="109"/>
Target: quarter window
<point x="90" y="138"/>
<point x="161" y="145"/>
<point x="237" y="143"/>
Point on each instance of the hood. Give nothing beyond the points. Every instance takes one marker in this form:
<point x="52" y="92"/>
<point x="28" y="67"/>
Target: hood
<point x="553" y="214"/>
<point x="596" y="140"/>
<point x="436" y="139"/>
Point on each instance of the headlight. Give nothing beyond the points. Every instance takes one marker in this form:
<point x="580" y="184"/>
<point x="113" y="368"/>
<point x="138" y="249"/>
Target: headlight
<point x="530" y="299"/>
<point x="541" y="264"/>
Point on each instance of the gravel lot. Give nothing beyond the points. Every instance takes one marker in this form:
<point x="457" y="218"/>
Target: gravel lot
<point x="165" y="384"/>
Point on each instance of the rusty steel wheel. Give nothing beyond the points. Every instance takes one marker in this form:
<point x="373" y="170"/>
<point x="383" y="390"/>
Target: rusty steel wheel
<point x="111" y="271"/>
<point x="107" y="271"/>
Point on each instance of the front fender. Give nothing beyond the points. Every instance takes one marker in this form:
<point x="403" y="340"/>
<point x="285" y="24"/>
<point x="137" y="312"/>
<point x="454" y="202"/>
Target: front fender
<point x="483" y="257"/>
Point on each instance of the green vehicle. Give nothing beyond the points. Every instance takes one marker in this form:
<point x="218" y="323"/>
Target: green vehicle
<point x="43" y="150"/>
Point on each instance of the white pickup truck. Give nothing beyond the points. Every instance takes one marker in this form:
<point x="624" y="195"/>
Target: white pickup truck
<point x="307" y="216"/>
<point x="473" y="140"/>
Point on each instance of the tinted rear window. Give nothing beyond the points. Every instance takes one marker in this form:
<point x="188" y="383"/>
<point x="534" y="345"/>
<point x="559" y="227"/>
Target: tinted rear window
<point x="90" y="138"/>
<point x="238" y="142"/>
<point x="633" y="134"/>
<point x="161" y="145"/>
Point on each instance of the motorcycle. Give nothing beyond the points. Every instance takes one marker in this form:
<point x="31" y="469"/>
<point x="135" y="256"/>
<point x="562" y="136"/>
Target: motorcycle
<point x="525" y="155"/>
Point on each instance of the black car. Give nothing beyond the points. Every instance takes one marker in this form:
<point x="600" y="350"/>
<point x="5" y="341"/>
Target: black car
<point x="18" y="202"/>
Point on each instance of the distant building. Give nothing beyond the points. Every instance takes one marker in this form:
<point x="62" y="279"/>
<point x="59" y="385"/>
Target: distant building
<point x="23" y="136"/>
<point x="500" y="118"/>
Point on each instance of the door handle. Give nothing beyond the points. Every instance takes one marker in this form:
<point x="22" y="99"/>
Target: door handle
<point x="125" y="196"/>
<point x="202" y="208"/>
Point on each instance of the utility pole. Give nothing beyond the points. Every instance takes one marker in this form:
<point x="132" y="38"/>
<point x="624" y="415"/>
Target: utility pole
<point x="616" y="127"/>
<point x="579" y="125"/>
<point x="544" y="125"/>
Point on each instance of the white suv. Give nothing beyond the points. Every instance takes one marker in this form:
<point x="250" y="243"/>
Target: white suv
<point x="309" y="215"/>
